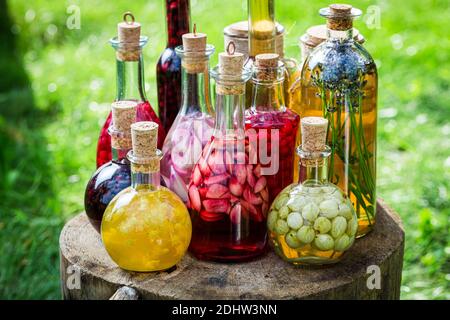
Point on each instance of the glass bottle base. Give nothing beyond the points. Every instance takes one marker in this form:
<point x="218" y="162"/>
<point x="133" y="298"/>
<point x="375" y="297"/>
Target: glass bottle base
<point x="227" y="254"/>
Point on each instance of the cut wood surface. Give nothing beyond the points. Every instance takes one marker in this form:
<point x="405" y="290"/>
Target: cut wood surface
<point x="87" y="272"/>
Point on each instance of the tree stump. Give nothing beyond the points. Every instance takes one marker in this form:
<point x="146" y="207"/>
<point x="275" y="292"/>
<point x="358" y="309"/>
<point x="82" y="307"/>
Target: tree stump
<point x="87" y="272"/>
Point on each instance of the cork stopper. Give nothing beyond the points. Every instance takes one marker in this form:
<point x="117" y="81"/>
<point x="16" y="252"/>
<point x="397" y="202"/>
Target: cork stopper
<point x="145" y="156"/>
<point x="314" y="133"/>
<point x="229" y="79"/>
<point x="194" y="47"/>
<point x="128" y="35"/>
<point x="123" y="116"/>
<point x="267" y="66"/>
<point x="340" y="16"/>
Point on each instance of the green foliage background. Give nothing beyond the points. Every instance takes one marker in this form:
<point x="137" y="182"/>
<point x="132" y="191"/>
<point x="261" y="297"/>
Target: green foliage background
<point x="56" y="85"/>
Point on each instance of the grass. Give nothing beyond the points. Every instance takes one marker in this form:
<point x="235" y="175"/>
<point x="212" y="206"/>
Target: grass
<point x="57" y="84"/>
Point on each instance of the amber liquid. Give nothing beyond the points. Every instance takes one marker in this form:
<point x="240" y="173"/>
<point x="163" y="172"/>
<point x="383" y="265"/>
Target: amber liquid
<point x="354" y="174"/>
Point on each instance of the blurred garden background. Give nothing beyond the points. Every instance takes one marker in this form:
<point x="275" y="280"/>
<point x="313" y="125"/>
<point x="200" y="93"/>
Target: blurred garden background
<point x="56" y="85"/>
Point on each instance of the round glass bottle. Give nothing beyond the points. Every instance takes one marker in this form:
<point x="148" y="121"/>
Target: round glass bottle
<point x="113" y="176"/>
<point x="146" y="227"/>
<point x="312" y="222"/>
<point x="194" y="123"/>
<point x="339" y="82"/>
<point x="228" y="196"/>
<point x="130" y="82"/>
<point x="270" y="126"/>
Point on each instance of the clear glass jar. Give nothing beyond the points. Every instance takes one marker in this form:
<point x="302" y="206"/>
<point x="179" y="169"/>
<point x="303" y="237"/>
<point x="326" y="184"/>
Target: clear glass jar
<point x="339" y="82"/>
<point x="146" y="227"/>
<point x="193" y="126"/>
<point x="312" y="222"/>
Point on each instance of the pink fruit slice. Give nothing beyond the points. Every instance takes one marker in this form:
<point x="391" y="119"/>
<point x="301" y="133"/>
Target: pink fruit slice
<point x="221" y="178"/>
<point x="194" y="198"/>
<point x="235" y="214"/>
<point x="260" y="184"/>
<point x="210" y="216"/>
<point x="203" y="192"/>
<point x="215" y="162"/>
<point x="264" y="208"/>
<point x="197" y="176"/>
<point x="250" y="177"/>
<point x="249" y="207"/>
<point x="264" y="194"/>
<point x="251" y="197"/>
<point x="217" y="191"/>
<point x="235" y="187"/>
<point x="204" y="168"/>
<point x="241" y="173"/>
<point x="257" y="171"/>
<point x="218" y="206"/>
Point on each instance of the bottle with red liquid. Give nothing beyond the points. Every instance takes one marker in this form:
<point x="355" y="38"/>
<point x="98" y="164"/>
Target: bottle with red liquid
<point x="194" y="124"/>
<point x="130" y="81"/>
<point x="271" y="127"/>
<point x="168" y="69"/>
<point x="228" y="196"/>
<point x="113" y="176"/>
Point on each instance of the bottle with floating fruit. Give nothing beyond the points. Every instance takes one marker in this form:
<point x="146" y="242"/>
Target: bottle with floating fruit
<point x="270" y="126"/>
<point x="194" y="123"/>
<point x="312" y="222"/>
<point x="228" y="196"/>
<point x="339" y="82"/>
<point x="146" y="227"/>
<point x="168" y="69"/>
<point x="113" y="176"/>
<point x="130" y="81"/>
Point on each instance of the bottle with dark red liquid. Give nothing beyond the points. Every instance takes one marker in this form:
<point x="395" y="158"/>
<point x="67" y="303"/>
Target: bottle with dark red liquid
<point x="130" y="82"/>
<point x="168" y="69"/>
<point x="113" y="176"/>
<point x="228" y="196"/>
<point x="270" y="126"/>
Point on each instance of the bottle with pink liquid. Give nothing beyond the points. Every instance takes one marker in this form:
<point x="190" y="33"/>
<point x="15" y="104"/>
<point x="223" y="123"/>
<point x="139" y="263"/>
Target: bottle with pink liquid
<point x="271" y="127"/>
<point x="194" y="124"/>
<point x="130" y="82"/>
<point x="228" y="196"/>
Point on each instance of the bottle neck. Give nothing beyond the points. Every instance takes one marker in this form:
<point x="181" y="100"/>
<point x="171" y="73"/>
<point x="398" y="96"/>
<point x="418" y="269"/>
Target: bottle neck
<point x="313" y="167"/>
<point x="229" y="115"/>
<point x="262" y="28"/>
<point x="268" y="96"/>
<point x="147" y="179"/>
<point x="119" y="154"/>
<point x="130" y="80"/>
<point x="196" y="92"/>
<point x="177" y="17"/>
<point x="339" y="35"/>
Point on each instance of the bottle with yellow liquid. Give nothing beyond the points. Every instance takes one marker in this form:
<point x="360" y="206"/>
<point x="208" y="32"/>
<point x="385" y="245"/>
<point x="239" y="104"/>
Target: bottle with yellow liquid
<point x="339" y="82"/>
<point x="312" y="222"/>
<point x="146" y="227"/>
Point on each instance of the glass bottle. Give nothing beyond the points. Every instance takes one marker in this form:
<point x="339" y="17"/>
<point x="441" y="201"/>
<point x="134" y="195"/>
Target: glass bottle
<point x="130" y="82"/>
<point x="312" y="222"/>
<point x="146" y="227"/>
<point x="194" y="124"/>
<point x="339" y="82"/>
<point x="228" y="196"/>
<point x="262" y="38"/>
<point x="271" y="127"/>
<point x="113" y="176"/>
<point x="168" y="69"/>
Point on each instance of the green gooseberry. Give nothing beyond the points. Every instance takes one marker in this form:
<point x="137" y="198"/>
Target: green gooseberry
<point x="281" y="227"/>
<point x="294" y="220"/>
<point x="283" y="212"/>
<point x="306" y="234"/>
<point x="272" y="219"/>
<point x="342" y="242"/>
<point x="310" y="211"/>
<point x="324" y="242"/>
<point x="338" y="227"/>
<point x="322" y="224"/>
<point x="291" y="240"/>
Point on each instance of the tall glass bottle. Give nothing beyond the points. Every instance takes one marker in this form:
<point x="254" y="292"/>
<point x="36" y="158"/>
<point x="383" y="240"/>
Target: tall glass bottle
<point x="194" y="123"/>
<point x="146" y="227"/>
<point x="130" y="81"/>
<point x="168" y="69"/>
<point x="339" y="82"/>
<point x="262" y="38"/>
<point x="228" y="196"/>
<point x="113" y="176"/>
<point x="271" y="127"/>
